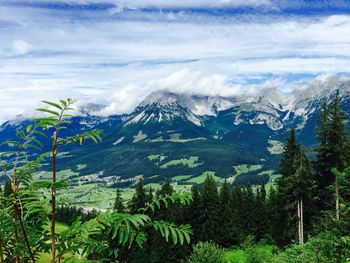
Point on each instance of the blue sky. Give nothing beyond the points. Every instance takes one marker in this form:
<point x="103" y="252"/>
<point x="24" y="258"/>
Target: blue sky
<point x="117" y="52"/>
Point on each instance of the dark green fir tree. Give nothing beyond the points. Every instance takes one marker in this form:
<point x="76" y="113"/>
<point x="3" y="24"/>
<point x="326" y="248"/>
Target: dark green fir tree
<point x="119" y="203"/>
<point x="139" y="199"/>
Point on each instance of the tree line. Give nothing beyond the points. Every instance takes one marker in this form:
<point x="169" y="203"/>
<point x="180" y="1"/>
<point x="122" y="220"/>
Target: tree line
<point x="310" y="197"/>
<point x="310" y="200"/>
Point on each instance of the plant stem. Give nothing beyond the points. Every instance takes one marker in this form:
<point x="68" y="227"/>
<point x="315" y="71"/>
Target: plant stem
<point x="24" y="231"/>
<point x="53" y="198"/>
<point x="1" y="253"/>
<point x="17" y="216"/>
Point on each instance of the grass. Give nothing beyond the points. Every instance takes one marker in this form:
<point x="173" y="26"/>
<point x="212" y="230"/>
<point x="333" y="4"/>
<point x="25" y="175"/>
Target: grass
<point x="154" y="186"/>
<point x="182" y="188"/>
<point x="46" y="175"/>
<point x="177" y="187"/>
<point x="201" y="178"/>
<point x="81" y="166"/>
<point x="156" y="157"/>
<point x="91" y="195"/>
<point x="175" y="137"/>
<point x="246" y="168"/>
<point x="181" y="177"/>
<point x="153" y="157"/>
<point x="273" y="177"/>
<point x="276" y="147"/>
<point x="191" y="162"/>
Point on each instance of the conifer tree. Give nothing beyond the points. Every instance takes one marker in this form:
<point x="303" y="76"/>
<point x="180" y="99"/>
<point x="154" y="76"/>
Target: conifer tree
<point x="238" y="208"/>
<point x="290" y="151"/>
<point x="209" y="206"/>
<point x="166" y="189"/>
<point x="173" y="213"/>
<point x="263" y="221"/>
<point x="303" y="184"/>
<point x="276" y="216"/>
<point x="193" y="212"/>
<point x="227" y="234"/>
<point x="286" y="202"/>
<point x="119" y="203"/>
<point x="331" y="152"/>
<point x="249" y="211"/>
<point x="295" y="193"/>
<point x="139" y="199"/>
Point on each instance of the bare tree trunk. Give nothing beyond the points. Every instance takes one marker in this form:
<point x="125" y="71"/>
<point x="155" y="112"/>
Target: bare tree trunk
<point x="336" y="199"/>
<point x="299" y="223"/>
<point x="302" y="221"/>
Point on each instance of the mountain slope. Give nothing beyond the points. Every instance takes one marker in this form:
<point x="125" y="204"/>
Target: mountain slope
<point x="171" y="135"/>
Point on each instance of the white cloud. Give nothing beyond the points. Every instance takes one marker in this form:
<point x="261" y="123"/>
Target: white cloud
<point x="119" y="58"/>
<point x="20" y="47"/>
<point x="125" y="99"/>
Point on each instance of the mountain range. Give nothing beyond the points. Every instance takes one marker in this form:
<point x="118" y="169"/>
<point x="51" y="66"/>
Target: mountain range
<point x="182" y="137"/>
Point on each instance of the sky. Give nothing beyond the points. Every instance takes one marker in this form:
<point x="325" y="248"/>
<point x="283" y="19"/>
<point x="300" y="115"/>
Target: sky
<point x="117" y="52"/>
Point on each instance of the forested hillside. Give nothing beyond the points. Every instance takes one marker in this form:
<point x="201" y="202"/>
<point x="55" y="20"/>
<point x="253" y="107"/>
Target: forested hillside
<point x="302" y="217"/>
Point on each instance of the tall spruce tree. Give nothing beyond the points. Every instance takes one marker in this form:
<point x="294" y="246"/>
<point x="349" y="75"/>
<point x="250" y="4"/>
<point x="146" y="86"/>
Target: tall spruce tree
<point x="290" y="151"/>
<point x="286" y="201"/>
<point x="119" y="203"/>
<point x="249" y="211"/>
<point x="139" y="199"/>
<point x="166" y="252"/>
<point x="275" y="215"/>
<point x="303" y="184"/>
<point x="295" y="193"/>
<point x="194" y="211"/>
<point x="263" y="220"/>
<point x="331" y="152"/>
<point x="238" y="208"/>
<point x="227" y="233"/>
<point x="209" y="217"/>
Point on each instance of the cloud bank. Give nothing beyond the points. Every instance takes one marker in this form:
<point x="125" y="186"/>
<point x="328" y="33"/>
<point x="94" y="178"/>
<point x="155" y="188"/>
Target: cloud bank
<point x="117" y="52"/>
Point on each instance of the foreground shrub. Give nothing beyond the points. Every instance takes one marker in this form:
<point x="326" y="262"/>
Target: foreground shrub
<point x="256" y="254"/>
<point x="207" y="253"/>
<point x="325" y="248"/>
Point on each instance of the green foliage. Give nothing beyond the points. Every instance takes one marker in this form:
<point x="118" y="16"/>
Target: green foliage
<point x="296" y="183"/>
<point x="139" y="199"/>
<point x="179" y="234"/>
<point x="254" y="254"/>
<point x="161" y="220"/>
<point x="332" y="151"/>
<point x="229" y="228"/>
<point x="325" y="248"/>
<point x="209" y="218"/>
<point x="7" y="188"/>
<point x="165" y="200"/>
<point x="119" y="203"/>
<point x="206" y="252"/>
